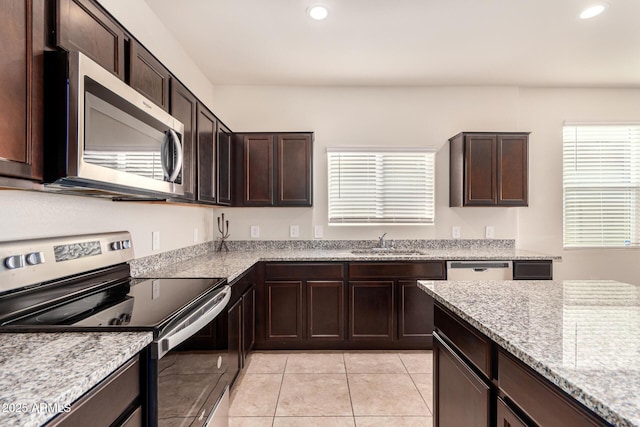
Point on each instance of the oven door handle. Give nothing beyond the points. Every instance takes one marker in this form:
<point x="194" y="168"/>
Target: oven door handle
<point x="192" y="324"/>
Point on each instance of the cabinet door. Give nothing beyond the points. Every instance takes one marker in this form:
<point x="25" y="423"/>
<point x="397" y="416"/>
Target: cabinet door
<point x="258" y="170"/>
<point x="461" y="397"/>
<point x="506" y="417"/>
<point x="148" y="76"/>
<point x="371" y="311"/>
<point x="206" y="140"/>
<point x="183" y="108"/>
<point x="415" y="313"/>
<point x="21" y="51"/>
<point x="235" y="340"/>
<point x="82" y="26"/>
<point x="513" y="186"/>
<point x="248" y="322"/>
<point x="284" y="310"/>
<point x="224" y="165"/>
<point x="325" y="310"/>
<point x="294" y="166"/>
<point x="480" y="170"/>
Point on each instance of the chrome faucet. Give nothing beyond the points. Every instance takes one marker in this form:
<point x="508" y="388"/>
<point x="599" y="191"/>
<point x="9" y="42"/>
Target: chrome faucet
<point x="381" y="242"/>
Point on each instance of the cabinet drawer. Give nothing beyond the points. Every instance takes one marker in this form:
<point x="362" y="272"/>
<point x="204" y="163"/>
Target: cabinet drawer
<point x="532" y="394"/>
<point x="532" y="270"/>
<point x="106" y="402"/>
<point x="397" y="270"/>
<point x="471" y="343"/>
<point x="307" y="271"/>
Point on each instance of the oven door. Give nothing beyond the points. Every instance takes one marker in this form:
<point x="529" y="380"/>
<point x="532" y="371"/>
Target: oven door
<point x="190" y="361"/>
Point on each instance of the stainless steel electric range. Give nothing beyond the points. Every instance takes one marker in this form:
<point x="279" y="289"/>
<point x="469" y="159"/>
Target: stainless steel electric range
<point x="83" y="283"/>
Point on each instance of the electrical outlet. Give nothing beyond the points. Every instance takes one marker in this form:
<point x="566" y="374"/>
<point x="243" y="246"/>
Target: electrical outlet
<point x="455" y="232"/>
<point x="489" y="232"/>
<point x="155" y="240"/>
<point x="195" y="235"/>
<point x="155" y="289"/>
<point x="317" y="232"/>
<point x="255" y="231"/>
<point x="294" y="231"/>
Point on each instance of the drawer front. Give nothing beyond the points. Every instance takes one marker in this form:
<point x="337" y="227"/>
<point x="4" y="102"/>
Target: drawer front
<point x="397" y="270"/>
<point x="543" y="404"/>
<point x="305" y="271"/>
<point x="471" y="343"/>
<point x="105" y="403"/>
<point x="532" y="270"/>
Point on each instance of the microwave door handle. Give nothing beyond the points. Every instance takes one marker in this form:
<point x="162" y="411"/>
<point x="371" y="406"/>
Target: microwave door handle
<point x="174" y="338"/>
<point x="179" y="159"/>
<point x="163" y="158"/>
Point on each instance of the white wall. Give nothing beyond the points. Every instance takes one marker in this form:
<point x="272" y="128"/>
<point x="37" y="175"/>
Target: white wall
<point x="25" y="215"/>
<point x="375" y="117"/>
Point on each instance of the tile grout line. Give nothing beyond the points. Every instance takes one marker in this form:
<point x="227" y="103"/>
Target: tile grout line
<point x="346" y="374"/>
<point x="275" y="411"/>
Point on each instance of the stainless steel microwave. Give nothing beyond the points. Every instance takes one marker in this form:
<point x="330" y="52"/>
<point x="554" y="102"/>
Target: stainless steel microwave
<point x="102" y="137"/>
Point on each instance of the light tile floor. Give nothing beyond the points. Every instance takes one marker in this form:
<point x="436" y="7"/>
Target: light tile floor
<point x="316" y="389"/>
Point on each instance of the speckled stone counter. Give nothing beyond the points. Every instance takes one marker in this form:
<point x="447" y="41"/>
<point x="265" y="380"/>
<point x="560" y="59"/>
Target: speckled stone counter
<point x="232" y="264"/>
<point x="583" y="336"/>
<point x="40" y="372"/>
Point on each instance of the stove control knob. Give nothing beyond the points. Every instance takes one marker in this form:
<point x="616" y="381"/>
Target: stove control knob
<point x="116" y="246"/>
<point x="14" y="261"/>
<point x="126" y="244"/>
<point x="35" y="258"/>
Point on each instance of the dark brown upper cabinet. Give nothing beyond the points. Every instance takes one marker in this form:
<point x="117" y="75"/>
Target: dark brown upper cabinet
<point x="82" y="26"/>
<point x="206" y="141"/>
<point x="488" y="169"/>
<point x="275" y="169"/>
<point x="21" y="53"/>
<point x="224" y="168"/>
<point x="184" y="108"/>
<point x="148" y="76"/>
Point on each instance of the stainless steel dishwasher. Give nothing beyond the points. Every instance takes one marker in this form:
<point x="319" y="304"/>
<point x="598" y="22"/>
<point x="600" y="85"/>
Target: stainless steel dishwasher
<point x="479" y="270"/>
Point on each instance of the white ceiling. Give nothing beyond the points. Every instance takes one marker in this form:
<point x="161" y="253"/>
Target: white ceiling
<point x="409" y="42"/>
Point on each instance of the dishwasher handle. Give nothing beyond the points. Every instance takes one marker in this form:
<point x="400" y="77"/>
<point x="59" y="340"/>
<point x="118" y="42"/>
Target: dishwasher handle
<point x="479" y="265"/>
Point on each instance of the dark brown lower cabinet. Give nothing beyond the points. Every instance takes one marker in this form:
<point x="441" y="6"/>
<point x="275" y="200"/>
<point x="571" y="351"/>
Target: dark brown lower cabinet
<point x="325" y="310"/>
<point x="338" y="305"/>
<point x="248" y="322"/>
<point x="415" y="312"/>
<point x="117" y="400"/>
<point x="371" y="310"/>
<point x="506" y="417"/>
<point x="234" y="317"/>
<point x="284" y="310"/>
<point x="533" y="270"/>
<point x="478" y="383"/>
<point x="462" y="397"/>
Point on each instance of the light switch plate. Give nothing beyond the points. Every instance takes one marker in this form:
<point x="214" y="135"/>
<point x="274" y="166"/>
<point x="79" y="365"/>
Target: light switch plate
<point x="455" y="232"/>
<point x="195" y="235"/>
<point x="317" y="232"/>
<point x="255" y="231"/>
<point x="155" y="240"/>
<point x="294" y="231"/>
<point x="155" y="289"/>
<point x="489" y="232"/>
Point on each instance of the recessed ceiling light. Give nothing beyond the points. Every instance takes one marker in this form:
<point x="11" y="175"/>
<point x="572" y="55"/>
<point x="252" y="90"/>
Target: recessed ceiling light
<point x="594" y="10"/>
<point x="318" y="12"/>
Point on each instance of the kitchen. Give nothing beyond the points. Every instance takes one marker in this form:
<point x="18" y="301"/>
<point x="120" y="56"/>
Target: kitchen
<point x="361" y="114"/>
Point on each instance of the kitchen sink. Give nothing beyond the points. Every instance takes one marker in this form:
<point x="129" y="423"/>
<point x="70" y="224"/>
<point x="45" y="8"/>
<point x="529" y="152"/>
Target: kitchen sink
<point x="385" y="251"/>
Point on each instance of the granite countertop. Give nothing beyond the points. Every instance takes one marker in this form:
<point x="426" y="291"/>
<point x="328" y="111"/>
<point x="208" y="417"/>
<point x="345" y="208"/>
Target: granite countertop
<point x="52" y="370"/>
<point x="231" y="265"/>
<point x="583" y="336"/>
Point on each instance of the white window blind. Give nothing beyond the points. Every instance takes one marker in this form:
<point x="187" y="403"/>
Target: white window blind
<point x="601" y="183"/>
<point x="381" y="186"/>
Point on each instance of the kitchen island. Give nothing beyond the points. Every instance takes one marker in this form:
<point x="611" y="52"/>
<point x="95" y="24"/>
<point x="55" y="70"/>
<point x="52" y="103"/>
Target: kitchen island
<point x="533" y="344"/>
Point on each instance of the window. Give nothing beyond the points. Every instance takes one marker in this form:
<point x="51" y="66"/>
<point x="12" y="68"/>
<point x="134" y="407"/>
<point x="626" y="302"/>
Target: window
<point x="381" y="186"/>
<point x="601" y="184"/>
